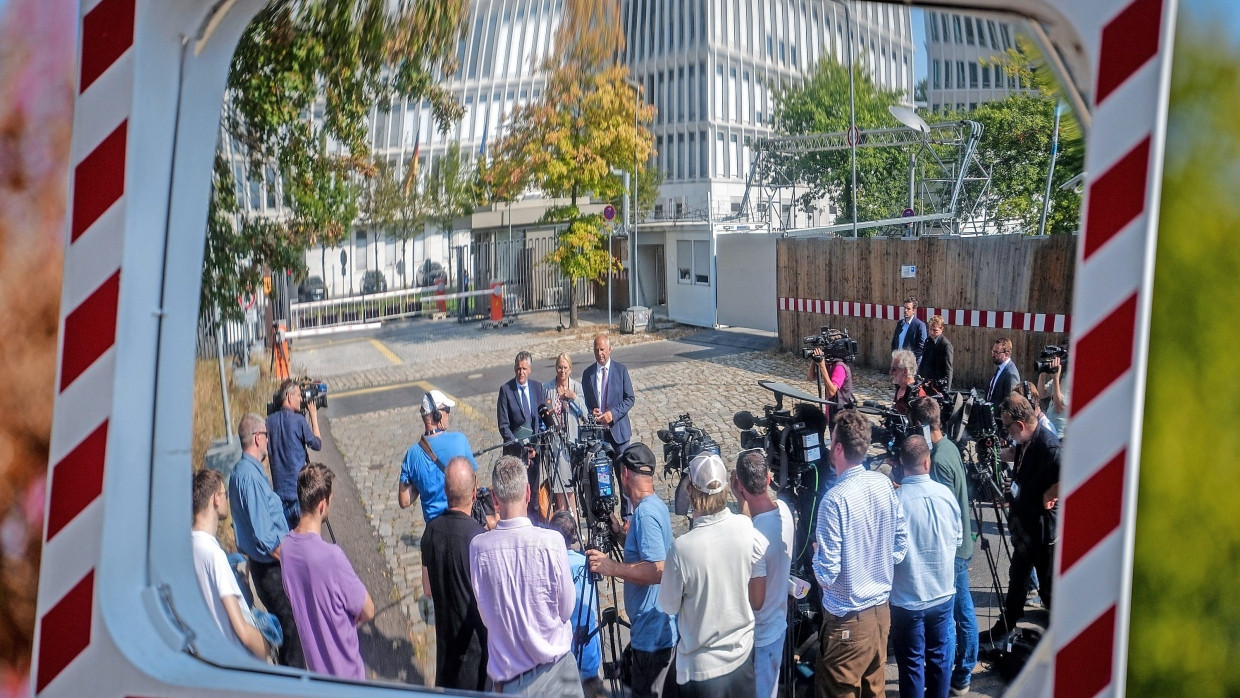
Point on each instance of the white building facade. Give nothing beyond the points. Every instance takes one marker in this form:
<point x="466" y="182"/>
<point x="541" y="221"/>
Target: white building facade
<point x="962" y="52"/>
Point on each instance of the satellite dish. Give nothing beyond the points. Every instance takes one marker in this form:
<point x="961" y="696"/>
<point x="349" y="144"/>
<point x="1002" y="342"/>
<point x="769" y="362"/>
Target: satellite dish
<point x="907" y="116"/>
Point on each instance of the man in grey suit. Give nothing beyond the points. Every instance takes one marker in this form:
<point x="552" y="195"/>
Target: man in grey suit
<point x="609" y="394"/>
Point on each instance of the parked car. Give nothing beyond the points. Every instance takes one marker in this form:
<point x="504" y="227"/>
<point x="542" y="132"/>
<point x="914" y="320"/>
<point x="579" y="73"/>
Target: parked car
<point x="431" y="273"/>
<point x="373" y="281"/>
<point x="312" y="289"/>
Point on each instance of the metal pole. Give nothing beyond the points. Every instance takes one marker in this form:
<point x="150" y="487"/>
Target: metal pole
<point x="633" y="231"/>
<point x="1050" y="173"/>
<point x="219" y="355"/>
<point x="852" y="116"/>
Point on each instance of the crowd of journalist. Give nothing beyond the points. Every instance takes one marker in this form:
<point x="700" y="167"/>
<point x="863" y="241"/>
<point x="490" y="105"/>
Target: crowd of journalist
<point x="513" y="573"/>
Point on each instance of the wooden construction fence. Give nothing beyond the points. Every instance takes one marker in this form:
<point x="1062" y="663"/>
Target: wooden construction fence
<point x="1006" y="285"/>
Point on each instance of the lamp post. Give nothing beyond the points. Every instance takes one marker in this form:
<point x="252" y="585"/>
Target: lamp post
<point x="853" y="134"/>
<point x="637" y="93"/>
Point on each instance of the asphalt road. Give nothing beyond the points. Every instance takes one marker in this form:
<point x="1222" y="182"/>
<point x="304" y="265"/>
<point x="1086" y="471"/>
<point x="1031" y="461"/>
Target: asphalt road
<point x="702" y="345"/>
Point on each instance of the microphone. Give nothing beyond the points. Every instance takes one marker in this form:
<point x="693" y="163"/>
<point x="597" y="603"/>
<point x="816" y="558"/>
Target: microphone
<point x="547" y="417"/>
<point x="572" y="405"/>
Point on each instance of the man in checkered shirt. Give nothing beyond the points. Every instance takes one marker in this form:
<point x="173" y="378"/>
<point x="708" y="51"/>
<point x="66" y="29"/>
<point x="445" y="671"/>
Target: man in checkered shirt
<point x="861" y="535"/>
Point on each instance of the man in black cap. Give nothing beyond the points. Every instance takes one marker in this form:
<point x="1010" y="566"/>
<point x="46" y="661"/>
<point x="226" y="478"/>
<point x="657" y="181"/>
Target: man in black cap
<point x="649" y="535"/>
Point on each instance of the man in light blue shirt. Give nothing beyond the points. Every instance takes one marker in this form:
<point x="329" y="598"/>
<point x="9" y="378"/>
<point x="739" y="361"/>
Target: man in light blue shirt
<point x="923" y="592"/>
<point x="861" y="535"/>
<point x="259" y="527"/>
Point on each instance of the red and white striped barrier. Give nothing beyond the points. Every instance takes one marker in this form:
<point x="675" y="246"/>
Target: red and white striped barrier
<point x="117" y="598"/>
<point x="89" y="310"/>
<point x="990" y="319"/>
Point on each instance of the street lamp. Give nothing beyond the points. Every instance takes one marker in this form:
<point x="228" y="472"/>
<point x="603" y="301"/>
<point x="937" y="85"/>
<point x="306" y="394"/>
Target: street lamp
<point x="906" y="115"/>
<point x="853" y="134"/>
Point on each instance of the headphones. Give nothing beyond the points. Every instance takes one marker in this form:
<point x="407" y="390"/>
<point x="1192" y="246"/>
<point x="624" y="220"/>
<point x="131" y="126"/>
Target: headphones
<point x="433" y="409"/>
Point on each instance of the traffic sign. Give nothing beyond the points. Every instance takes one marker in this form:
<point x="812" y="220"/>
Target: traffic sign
<point x="609" y="212"/>
<point x="854" y="135"/>
<point x="908" y="213"/>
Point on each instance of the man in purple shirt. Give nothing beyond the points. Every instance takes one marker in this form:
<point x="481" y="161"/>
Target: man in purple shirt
<point x="290" y="434"/>
<point x="525" y="594"/>
<point x="329" y="601"/>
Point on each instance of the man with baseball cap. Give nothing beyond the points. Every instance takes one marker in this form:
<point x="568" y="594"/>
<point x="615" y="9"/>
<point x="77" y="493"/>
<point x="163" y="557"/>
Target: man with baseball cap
<point x="653" y="633"/>
<point x="715" y="618"/>
<point x="422" y="472"/>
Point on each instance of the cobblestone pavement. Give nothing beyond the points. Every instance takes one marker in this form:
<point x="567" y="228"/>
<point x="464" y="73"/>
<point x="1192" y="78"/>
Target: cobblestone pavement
<point x="711" y="390"/>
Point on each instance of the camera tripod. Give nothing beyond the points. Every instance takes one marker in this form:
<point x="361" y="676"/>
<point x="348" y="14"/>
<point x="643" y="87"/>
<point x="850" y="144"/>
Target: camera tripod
<point x="983" y="469"/>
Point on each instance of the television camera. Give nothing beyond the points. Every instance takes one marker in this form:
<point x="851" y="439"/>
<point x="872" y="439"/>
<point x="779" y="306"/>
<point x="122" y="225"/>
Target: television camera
<point x="312" y="391"/>
<point x="1043" y="364"/>
<point x="794" y="440"/>
<point x="595" y="477"/>
<point x="682" y="442"/>
<point x="835" y="345"/>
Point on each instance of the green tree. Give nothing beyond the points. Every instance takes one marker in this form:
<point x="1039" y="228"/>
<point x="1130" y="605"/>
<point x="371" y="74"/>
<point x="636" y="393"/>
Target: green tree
<point x="1185" y="612"/>
<point x="820" y="104"/>
<point x="566" y="144"/>
<point x="1016" y="147"/>
<point x="352" y="55"/>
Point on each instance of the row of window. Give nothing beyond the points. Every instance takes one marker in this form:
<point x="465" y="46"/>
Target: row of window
<point x="788" y="34"/>
<point x="519" y="35"/>
<point x="942" y="76"/>
<point x="964" y="30"/>
<point x="682" y="156"/>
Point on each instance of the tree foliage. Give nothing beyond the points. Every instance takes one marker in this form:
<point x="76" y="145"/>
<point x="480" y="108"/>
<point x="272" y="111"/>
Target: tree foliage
<point x="820" y="104"/>
<point x="1185" y="613"/>
<point x="586" y="123"/>
<point x="353" y="55"/>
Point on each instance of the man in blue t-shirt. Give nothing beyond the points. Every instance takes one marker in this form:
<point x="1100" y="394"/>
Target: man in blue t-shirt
<point x="421" y="473"/>
<point x="653" y="632"/>
<point x="587" y="652"/>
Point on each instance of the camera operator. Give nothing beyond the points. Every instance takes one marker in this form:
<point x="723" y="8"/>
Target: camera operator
<point x="836" y="377"/>
<point x="903" y="374"/>
<point x="1054" y="384"/>
<point x="649" y="535"/>
<point x="1032" y="512"/>
<point x="937" y="355"/>
<point x="290" y="435"/>
<point x="947" y="468"/>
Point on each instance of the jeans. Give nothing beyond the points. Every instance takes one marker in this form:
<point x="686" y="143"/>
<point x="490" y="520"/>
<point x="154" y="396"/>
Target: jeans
<point x="766" y="661"/>
<point x="966" y="627"/>
<point x="924" y="644"/>
<point x="269" y="585"/>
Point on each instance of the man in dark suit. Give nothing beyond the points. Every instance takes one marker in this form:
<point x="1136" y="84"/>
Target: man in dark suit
<point x="516" y="410"/>
<point x="936" y="359"/>
<point x="910" y="332"/>
<point x="1006" y="376"/>
<point x="609" y="394"/>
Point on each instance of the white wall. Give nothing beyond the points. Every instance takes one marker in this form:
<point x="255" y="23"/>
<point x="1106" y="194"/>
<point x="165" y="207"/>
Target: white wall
<point x="690" y="301"/>
<point x="746" y="270"/>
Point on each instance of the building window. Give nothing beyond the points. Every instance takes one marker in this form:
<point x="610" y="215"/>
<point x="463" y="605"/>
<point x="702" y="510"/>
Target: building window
<point x="934" y="26"/>
<point x="938" y="75"/>
<point x="693" y="262"/>
<point x="703" y="155"/>
<point x="973" y="75"/>
<point x="1007" y="39"/>
<point x="956" y="29"/>
<point x="990" y="28"/>
<point x="359" y="251"/>
<point x="985" y="77"/>
<point x="960" y="75"/>
<point x="981" y="33"/>
<point x="692" y="156"/>
<point x="968" y="31"/>
<point x="947" y="39"/>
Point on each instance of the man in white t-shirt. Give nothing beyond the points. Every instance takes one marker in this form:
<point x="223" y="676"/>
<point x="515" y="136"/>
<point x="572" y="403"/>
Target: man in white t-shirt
<point x="751" y="483"/>
<point x="215" y="577"/>
<point x="714" y="656"/>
